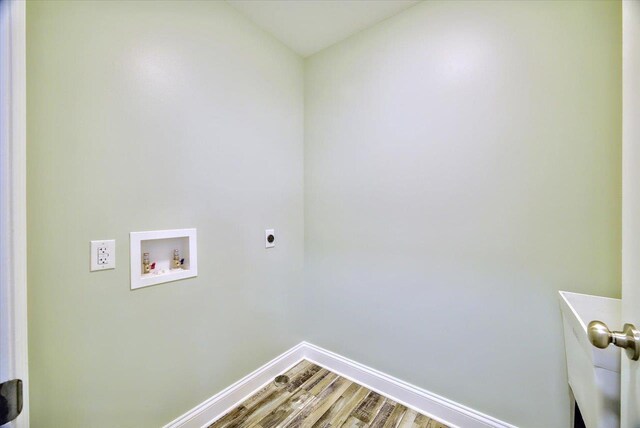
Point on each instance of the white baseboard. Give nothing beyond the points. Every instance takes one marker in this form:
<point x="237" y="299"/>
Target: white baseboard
<point x="216" y="406"/>
<point x="428" y="403"/>
<point x="439" y="408"/>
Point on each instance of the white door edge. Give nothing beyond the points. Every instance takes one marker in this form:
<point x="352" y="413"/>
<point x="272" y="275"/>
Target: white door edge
<point x="13" y="201"/>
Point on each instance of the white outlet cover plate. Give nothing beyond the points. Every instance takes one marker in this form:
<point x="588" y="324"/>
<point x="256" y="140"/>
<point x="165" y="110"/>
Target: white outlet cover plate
<point x="103" y="255"/>
<point x="268" y="244"/>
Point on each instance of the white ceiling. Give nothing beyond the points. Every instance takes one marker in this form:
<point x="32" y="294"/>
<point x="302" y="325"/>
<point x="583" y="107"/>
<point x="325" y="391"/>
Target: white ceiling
<point x="308" y="26"/>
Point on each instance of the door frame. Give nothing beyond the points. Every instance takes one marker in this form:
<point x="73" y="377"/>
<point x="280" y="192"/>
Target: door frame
<point x="13" y="201"/>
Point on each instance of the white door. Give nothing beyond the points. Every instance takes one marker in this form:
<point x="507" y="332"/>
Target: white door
<point x="13" y="289"/>
<point x="630" y="380"/>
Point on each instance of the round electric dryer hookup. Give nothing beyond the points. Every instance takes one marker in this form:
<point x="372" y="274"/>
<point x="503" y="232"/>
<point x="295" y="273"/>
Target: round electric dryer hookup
<point x="269" y="238"/>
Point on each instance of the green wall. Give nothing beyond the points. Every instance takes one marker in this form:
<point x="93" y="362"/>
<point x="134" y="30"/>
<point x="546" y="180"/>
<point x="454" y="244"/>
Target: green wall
<point x="442" y="174"/>
<point x="145" y="116"/>
<point x="462" y="164"/>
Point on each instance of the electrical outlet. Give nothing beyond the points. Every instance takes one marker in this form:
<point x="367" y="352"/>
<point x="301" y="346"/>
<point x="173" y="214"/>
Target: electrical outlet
<point x="269" y="238"/>
<point x="103" y="255"/>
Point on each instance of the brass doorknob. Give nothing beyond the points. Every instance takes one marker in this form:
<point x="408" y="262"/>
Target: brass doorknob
<point x="629" y="338"/>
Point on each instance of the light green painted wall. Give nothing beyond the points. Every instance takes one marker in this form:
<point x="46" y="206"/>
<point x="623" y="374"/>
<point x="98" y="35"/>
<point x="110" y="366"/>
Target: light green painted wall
<point x="157" y="115"/>
<point x="462" y="164"/>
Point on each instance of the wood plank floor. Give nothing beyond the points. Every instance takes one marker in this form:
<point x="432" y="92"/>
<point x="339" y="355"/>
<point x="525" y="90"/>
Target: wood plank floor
<point x="316" y="397"/>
